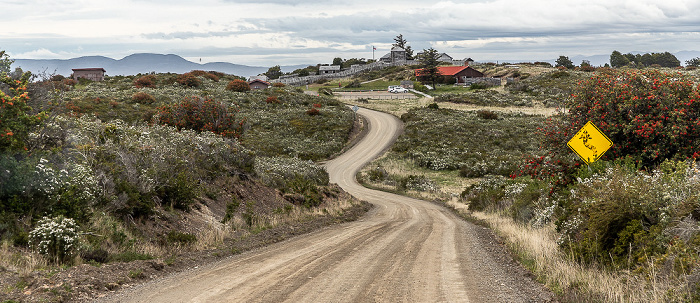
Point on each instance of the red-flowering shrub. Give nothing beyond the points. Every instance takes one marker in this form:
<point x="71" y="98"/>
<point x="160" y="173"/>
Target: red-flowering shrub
<point x="278" y="84"/>
<point x="238" y="86"/>
<point x="272" y="99"/>
<point x="15" y="118"/>
<point x="317" y="105"/>
<point x="201" y="114"/>
<point x="145" y="81"/>
<point x="648" y="115"/>
<point x="142" y="97"/>
<point x="208" y="75"/>
<point x="188" y="79"/>
<point x="313" y="112"/>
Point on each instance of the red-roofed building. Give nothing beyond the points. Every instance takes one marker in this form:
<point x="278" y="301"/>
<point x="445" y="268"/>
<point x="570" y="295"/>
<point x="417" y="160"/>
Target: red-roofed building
<point x="258" y="84"/>
<point x="459" y="73"/>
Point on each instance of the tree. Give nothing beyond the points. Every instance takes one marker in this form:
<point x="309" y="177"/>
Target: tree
<point x="402" y="43"/>
<point x="338" y="61"/>
<point x="693" y="62"/>
<point x="565" y="62"/>
<point x="5" y="62"/>
<point x="617" y="59"/>
<point x="16" y="120"/>
<point x="429" y="65"/>
<point x="274" y="72"/>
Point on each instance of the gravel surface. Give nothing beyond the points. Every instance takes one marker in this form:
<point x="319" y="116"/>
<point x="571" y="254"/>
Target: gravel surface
<point x="403" y="250"/>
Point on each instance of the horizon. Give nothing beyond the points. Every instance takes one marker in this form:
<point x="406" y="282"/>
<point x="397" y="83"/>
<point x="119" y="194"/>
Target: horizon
<point x="294" y="32"/>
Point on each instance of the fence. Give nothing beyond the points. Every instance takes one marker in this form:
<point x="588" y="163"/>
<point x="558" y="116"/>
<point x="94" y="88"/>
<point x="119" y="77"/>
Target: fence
<point x="298" y="81"/>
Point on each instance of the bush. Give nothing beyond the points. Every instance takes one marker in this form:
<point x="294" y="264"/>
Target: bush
<point x="143" y="98"/>
<point x="189" y="80"/>
<point x="649" y="116"/>
<point x="201" y="114"/>
<point x="208" y="75"/>
<point x="145" y="81"/>
<point x="278" y="84"/>
<point x="325" y="91"/>
<point x="16" y="120"/>
<point x="273" y="100"/>
<point x="55" y="237"/>
<point x="313" y="112"/>
<point x="487" y="114"/>
<point x="238" y="85"/>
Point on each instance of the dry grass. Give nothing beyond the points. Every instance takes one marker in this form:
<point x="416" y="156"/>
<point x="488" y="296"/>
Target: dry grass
<point x="19" y="260"/>
<point x="556" y="270"/>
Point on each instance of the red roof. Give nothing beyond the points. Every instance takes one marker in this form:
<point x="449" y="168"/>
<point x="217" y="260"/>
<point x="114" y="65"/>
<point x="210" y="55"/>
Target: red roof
<point x="446" y="70"/>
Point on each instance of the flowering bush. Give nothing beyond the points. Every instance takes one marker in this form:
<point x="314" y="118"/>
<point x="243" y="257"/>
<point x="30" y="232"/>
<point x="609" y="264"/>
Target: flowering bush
<point x="145" y="81"/>
<point x="189" y="80"/>
<point x="142" y="97"/>
<point x="238" y="85"/>
<point x="202" y="114"/>
<point x="273" y="100"/>
<point x="15" y="119"/>
<point x="649" y="116"/>
<point x="54" y="237"/>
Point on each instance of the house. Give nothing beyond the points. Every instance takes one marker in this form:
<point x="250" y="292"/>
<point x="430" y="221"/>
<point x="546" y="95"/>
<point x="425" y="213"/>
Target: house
<point x="259" y="84"/>
<point x="93" y="74"/>
<point x="328" y="69"/>
<point x="445" y="58"/>
<point x="258" y="77"/>
<point x="459" y="73"/>
<point x="397" y="54"/>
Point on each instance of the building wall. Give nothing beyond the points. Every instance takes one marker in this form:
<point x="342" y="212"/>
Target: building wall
<point x="258" y="85"/>
<point x="93" y="75"/>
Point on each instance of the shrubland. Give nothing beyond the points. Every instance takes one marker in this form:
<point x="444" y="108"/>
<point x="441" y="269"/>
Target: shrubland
<point x="122" y="170"/>
<point x="624" y="229"/>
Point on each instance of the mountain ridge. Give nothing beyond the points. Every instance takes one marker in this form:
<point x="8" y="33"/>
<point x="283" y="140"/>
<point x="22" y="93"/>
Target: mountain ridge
<point x="139" y="63"/>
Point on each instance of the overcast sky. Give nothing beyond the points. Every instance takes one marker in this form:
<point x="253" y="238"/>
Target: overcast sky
<point x="287" y="32"/>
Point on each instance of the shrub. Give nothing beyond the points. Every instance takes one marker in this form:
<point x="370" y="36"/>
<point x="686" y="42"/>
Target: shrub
<point x="208" y="75"/>
<point x="325" y="91"/>
<point x="649" y="116"/>
<point x="201" y="114"/>
<point x="487" y="114"/>
<point x="16" y="120"/>
<point x="278" y="84"/>
<point x="54" y="237"/>
<point x="313" y="112"/>
<point x="238" y="85"/>
<point x="189" y="80"/>
<point x="273" y="100"/>
<point x="142" y="97"/>
<point x="180" y="237"/>
<point x="145" y="81"/>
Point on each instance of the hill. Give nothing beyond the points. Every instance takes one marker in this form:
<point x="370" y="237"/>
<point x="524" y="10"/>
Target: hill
<point x="138" y="63"/>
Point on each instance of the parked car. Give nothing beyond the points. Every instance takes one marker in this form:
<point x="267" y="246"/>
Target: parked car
<point x="392" y="87"/>
<point x="398" y="89"/>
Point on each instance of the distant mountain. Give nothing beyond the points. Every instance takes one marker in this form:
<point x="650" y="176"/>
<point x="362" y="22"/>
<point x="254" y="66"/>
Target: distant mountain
<point x="139" y="63"/>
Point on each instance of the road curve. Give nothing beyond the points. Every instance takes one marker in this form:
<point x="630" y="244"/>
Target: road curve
<point x="403" y="250"/>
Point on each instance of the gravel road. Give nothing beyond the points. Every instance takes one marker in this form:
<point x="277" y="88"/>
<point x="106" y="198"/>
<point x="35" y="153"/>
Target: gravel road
<point x="404" y="250"/>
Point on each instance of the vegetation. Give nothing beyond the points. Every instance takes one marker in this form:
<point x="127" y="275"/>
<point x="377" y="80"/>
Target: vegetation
<point x="665" y="59"/>
<point x="104" y="171"/>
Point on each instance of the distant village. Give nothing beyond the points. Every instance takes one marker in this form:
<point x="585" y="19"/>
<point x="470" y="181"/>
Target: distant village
<point x="459" y="70"/>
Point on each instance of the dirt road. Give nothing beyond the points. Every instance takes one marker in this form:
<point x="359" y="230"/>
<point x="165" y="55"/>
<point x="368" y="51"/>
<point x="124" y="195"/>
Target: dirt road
<point x="404" y="250"/>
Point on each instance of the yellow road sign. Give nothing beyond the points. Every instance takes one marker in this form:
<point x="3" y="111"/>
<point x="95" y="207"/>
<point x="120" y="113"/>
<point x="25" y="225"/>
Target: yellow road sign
<point x="589" y="143"/>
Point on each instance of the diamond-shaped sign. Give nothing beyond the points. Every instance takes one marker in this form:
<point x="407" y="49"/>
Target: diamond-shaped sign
<point x="590" y="143"/>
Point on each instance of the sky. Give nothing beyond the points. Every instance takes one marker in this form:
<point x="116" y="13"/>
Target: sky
<point x="291" y="32"/>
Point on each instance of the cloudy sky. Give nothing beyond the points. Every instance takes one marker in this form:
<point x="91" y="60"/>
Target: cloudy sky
<point x="286" y="32"/>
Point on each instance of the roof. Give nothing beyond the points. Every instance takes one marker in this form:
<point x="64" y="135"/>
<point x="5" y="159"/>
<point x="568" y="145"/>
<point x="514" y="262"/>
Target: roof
<point x="89" y="69"/>
<point x="327" y="67"/>
<point x="397" y="49"/>
<point x="258" y="80"/>
<point x="447" y="70"/>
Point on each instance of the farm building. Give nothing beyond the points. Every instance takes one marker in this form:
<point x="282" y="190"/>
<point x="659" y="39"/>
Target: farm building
<point x="93" y="74"/>
<point x="258" y="84"/>
<point x="459" y="73"/>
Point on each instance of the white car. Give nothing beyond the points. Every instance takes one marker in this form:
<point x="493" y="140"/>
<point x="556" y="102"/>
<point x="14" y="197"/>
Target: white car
<point x="392" y="87"/>
<point x="398" y="89"/>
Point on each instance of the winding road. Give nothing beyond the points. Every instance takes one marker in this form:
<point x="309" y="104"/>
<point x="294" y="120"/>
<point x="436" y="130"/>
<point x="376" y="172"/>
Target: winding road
<point x="403" y="250"/>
